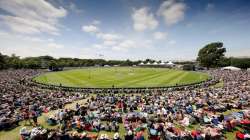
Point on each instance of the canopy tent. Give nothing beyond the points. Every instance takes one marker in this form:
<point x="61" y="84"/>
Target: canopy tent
<point x="155" y="63"/>
<point x="162" y="63"/>
<point x="231" y="68"/>
<point x="170" y="63"/>
<point x="141" y="63"/>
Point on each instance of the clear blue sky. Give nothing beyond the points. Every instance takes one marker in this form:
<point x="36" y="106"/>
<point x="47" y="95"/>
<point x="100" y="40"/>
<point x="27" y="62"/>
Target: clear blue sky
<point x="123" y="29"/>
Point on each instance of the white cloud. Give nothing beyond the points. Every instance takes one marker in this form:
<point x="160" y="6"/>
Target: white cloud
<point x="109" y="42"/>
<point x="21" y="37"/>
<point x="96" y="22"/>
<point x="51" y="40"/>
<point x="172" y="42"/>
<point x="172" y="11"/>
<point x="74" y="8"/>
<point x="32" y="39"/>
<point x="27" y="46"/>
<point x="99" y="34"/>
<point x="31" y="17"/>
<point x="125" y="45"/>
<point x="109" y="39"/>
<point x="27" y="26"/>
<point x="98" y="46"/>
<point x="108" y="36"/>
<point x="54" y="45"/>
<point x="143" y="19"/>
<point x="114" y="41"/>
<point x="238" y="52"/>
<point x="90" y="29"/>
<point x="159" y="35"/>
<point x="3" y="33"/>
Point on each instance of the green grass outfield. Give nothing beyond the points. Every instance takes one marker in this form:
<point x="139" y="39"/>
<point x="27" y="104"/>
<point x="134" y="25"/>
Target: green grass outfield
<point x="106" y="77"/>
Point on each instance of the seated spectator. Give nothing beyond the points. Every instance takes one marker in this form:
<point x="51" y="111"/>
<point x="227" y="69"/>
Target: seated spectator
<point x="25" y="134"/>
<point x="116" y="136"/>
<point x="129" y="135"/>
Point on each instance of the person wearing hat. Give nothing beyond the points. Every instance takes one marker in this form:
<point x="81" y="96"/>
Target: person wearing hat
<point x="116" y="136"/>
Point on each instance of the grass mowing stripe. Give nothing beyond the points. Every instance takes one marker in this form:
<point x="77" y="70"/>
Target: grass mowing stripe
<point x="177" y="79"/>
<point x="78" y="82"/>
<point x="66" y="79"/>
<point x="149" y="77"/>
<point x="73" y="80"/>
<point x="121" y="81"/>
<point x="156" y="80"/>
<point x="192" y="76"/>
<point x="171" y="77"/>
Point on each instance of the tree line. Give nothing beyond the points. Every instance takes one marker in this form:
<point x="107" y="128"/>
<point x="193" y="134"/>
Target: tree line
<point x="39" y="62"/>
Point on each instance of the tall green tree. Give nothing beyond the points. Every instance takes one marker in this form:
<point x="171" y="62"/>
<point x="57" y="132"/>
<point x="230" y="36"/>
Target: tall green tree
<point x="14" y="61"/>
<point x="211" y="54"/>
<point x="2" y="61"/>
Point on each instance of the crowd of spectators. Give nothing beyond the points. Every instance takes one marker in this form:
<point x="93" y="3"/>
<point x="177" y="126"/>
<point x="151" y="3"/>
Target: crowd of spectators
<point x="191" y="113"/>
<point x="19" y="101"/>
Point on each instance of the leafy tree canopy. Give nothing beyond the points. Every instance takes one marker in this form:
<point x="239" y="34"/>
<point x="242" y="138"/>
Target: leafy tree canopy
<point x="211" y="54"/>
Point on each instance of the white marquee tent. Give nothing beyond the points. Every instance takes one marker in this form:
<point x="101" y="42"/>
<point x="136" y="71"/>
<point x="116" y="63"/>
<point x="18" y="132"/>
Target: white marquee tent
<point x="170" y="63"/>
<point x="155" y="63"/>
<point x="231" y="68"/>
<point x="162" y="63"/>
